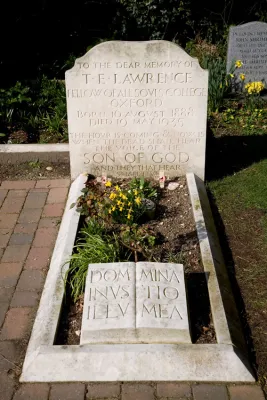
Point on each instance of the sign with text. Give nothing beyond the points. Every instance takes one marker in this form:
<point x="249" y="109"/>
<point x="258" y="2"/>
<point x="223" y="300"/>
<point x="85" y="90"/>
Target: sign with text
<point x="135" y="303"/>
<point x="248" y="43"/>
<point x="135" y="108"/>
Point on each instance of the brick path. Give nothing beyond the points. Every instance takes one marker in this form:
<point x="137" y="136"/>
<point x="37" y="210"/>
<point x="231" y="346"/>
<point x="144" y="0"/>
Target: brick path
<point x="29" y="220"/>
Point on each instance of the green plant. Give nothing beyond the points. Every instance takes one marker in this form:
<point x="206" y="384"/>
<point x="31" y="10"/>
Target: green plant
<point x="13" y="101"/>
<point x="219" y="81"/>
<point x="35" y="164"/>
<point x="144" y="186"/>
<point x="91" y="248"/>
<point x="125" y="206"/>
<point x="138" y="239"/>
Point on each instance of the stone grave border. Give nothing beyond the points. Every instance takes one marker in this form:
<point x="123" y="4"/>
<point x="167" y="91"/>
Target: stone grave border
<point x="224" y="361"/>
<point x="17" y="153"/>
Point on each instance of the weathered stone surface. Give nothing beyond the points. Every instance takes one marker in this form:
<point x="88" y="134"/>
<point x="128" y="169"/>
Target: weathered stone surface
<point x="248" y="43"/>
<point x="161" y="307"/>
<point x="127" y="302"/>
<point x="109" y="304"/>
<point x="135" y="108"/>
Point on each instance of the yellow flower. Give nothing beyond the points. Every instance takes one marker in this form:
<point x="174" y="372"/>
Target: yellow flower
<point x="124" y="197"/>
<point x="242" y="77"/>
<point x="118" y="202"/>
<point x="135" y="192"/>
<point x="129" y="216"/>
<point x="130" y="210"/>
<point x="231" y="75"/>
<point x="113" y="208"/>
<point x="110" y="211"/>
<point x="138" y="200"/>
<point x="129" y="203"/>
<point x="121" y="208"/>
<point x="108" y="184"/>
<point x="117" y="188"/>
<point x="112" y="196"/>
<point x="121" y="195"/>
<point x="238" y="64"/>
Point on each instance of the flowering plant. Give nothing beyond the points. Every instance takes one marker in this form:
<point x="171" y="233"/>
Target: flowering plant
<point x="254" y="87"/>
<point x="125" y="206"/>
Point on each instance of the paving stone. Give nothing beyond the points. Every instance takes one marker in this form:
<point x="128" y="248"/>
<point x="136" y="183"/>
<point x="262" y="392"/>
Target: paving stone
<point x="4" y="237"/>
<point x="32" y="391"/>
<point x="173" y="389"/>
<point x="3" y="193"/>
<point x="210" y="392"/>
<point x="49" y="222"/>
<point x="39" y="190"/>
<point x="3" y="311"/>
<point x="246" y="392"/>
<point x="17" y="184"/>
<point x="9" y="274"/>
<point x="57" y="195"/>
<point x="6" y="294"/>
<point x="12" y="205"/>
<point x="53" y="210"/>
<point x="15" y="253"/>
<point x="103" y="390"/>
<point x="17" y="324"/>
<point x="45" y="237"/>
<point x="25" y="228"/>
<point x="25" y="299"/>
<point x="30" y="215"/>
<point x="35" y="200"/>
<point x="12" y="351"/>
<point x="7" y="386"/>
<point x="67" y="391"/>
<point x="8" y="221"/>
<point x="31" y="280"/>
<point x="17" y="194"/>
<point x="53" y="183"/>
<point x="38" y="258"/>
<point x="21" y="238"/>
<point x="138" y="391"/>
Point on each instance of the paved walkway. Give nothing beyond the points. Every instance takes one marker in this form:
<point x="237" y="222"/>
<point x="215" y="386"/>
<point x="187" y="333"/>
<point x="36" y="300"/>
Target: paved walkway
<point x="30" y="214"/>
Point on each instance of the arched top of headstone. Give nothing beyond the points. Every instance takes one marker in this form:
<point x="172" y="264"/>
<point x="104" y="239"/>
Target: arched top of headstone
<point x="136" y="49"/>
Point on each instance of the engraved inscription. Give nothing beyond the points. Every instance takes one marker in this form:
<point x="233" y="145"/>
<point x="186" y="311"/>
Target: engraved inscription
<point x="130" y="106"/>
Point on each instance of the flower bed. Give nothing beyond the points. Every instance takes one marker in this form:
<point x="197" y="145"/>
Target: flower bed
<point x="136" y="221"/>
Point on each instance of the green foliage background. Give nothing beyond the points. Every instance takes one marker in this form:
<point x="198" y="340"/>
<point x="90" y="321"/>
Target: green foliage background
<point x="43" y="36"/>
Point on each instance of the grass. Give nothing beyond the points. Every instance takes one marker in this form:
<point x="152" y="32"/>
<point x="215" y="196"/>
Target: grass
<point x="241" y="201"/>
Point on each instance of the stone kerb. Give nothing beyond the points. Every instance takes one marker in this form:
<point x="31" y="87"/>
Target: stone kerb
<point x="136" y="108"/>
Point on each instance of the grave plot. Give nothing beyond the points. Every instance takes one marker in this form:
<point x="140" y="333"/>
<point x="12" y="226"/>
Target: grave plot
<point x="137" y="110"/>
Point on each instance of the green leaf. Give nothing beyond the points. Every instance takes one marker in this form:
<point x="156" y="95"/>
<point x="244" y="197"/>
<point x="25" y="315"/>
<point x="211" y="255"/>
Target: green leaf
<point x="72" y="205"/>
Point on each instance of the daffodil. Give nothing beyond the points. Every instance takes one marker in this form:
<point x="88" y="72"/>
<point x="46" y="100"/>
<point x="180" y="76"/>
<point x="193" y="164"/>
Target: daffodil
<point x="108" y="184"/>
<point x="242" y="77"/>
<point x="112" y="196"/>
<point x="129" y="216"/>
<point x="117" y="188"/>
<point x="238" y="64"/>
<point x="118" y="202"/>
<point x="121" y="208"/>
<point x="138" y="200"/>
<point x="113" y="208"/>
<point x="135" y="192"/>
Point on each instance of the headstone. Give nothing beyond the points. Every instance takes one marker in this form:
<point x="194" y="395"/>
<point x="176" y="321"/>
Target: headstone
<point x="135" y="108"/>
<point x="248" y="43"/>
<point x="135" y="303"/>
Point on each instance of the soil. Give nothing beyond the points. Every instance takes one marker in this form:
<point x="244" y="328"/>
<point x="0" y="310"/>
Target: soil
<point x="174" y="224"/>
<point x="34" y="171"/>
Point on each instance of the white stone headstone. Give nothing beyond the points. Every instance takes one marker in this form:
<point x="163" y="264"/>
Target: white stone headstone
<point x="135" y="108"/>
<point x="135" y="303"/>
